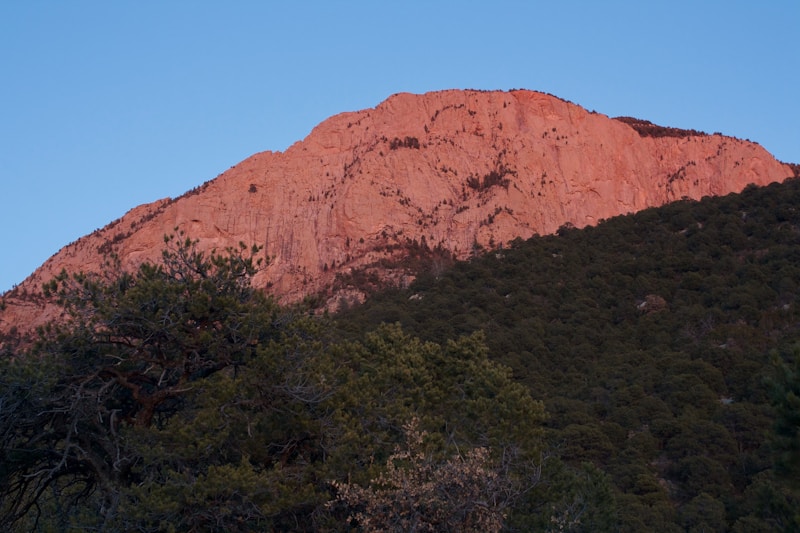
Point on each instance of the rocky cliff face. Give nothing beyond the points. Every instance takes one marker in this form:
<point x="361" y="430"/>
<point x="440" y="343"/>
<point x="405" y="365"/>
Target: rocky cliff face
<point x="452" y="170"/>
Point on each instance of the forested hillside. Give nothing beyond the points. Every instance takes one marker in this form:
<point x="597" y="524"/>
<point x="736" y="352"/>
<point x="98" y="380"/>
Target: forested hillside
<point x="663" y="344"/>
<point x="641" y="375"/>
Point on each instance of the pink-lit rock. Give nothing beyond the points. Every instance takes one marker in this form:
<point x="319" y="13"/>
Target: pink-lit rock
<point x="450" y="168"/>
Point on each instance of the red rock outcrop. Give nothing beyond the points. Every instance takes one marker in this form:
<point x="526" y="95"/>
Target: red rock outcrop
<point x="451" y="169"/>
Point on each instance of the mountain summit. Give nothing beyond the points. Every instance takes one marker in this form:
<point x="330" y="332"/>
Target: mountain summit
<point x="451" y="171"/>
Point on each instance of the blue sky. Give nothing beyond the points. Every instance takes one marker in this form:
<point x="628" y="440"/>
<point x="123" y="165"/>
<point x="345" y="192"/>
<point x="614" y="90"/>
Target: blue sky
<point x="107" y="105"/>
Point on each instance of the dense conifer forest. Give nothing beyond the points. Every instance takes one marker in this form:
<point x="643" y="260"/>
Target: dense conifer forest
<point x="663" y="345"/>
<point x="640" y="375"/>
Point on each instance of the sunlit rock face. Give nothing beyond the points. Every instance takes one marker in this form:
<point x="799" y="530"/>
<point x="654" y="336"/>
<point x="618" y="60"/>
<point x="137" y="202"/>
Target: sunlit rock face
<point x="451" y="170"/>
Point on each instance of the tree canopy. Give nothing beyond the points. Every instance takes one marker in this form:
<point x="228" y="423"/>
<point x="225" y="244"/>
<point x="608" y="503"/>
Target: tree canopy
<point x="177" y="397"/>
<point x="663" y="345"/>
<point x="640" y="375"/>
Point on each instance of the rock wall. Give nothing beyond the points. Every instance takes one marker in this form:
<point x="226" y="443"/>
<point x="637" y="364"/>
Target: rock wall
<point x="450" y="169"/>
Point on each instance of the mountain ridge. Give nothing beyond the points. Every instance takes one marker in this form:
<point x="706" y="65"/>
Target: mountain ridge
<point x="450" y="170"/>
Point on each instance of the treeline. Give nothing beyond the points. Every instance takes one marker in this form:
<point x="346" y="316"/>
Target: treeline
<point x="663" y="345"/>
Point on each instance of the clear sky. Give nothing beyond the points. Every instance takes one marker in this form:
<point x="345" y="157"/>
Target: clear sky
<point x="105" y="105"/>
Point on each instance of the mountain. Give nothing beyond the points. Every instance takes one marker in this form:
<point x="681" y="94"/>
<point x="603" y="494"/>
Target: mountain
<point x="452" y="171"/>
